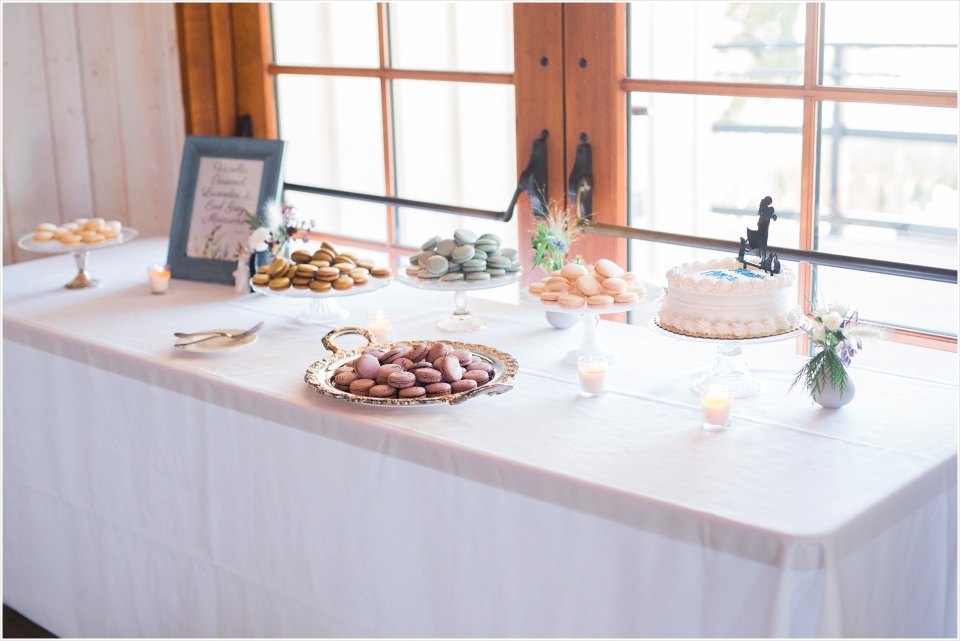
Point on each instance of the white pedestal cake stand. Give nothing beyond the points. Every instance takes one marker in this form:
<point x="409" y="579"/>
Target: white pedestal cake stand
<point x="591" y="343"/>
<point x="729" y="368"/>
<point x="83" y="280"/>
<point x="461" y="320"/>
<point x="324" y="308"/>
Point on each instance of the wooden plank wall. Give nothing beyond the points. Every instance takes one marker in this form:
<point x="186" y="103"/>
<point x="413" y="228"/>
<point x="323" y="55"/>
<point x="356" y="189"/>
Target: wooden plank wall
<point x="93" y="119"/>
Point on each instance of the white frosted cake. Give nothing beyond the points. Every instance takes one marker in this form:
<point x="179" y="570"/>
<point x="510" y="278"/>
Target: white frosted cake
<point x="721" y="299"/>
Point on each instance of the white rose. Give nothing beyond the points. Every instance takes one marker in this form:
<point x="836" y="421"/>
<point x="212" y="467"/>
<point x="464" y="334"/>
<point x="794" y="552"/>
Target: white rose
<point x="839" y="308"/>
<point x="257" y="240"/>
<point x="820" y="312"/>
<point x="832" y="321"/>
<point x="819" y="335"/>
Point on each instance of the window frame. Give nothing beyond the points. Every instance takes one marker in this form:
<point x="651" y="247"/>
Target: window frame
<point x="228" y="69"/>
<point x="813" y="93"/>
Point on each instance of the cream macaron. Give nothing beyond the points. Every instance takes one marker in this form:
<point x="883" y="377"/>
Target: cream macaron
<point x="561" y="285"/>
<point x="571" y="301"/>
<point x="613" y="286"/>
<point x="537" y="288"/>
<point x="626" y="298"/>
<point x="600" y="300"/>
<point x="573" y="271"/>
<point x="608" y="268"/>
<point x="550" y="298"/>
<point x="588" y="286"/>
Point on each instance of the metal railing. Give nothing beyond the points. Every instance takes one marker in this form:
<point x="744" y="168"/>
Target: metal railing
<point x="891" y="268"/>
<point x="403" y="202"/>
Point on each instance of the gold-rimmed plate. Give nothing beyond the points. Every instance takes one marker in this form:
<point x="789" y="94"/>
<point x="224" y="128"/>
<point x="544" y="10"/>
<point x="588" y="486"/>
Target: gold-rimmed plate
<point x="319" y="374"/>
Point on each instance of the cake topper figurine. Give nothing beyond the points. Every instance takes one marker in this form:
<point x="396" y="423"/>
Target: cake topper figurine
<point x="756" y="240"/>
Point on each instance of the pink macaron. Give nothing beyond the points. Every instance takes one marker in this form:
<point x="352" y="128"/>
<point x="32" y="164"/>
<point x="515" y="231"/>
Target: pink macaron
<point x="401" y="379"/>
<point x="420" y="365"/>
<point x="345" y="378"/>
<point x="361" y="386"/>
<point x="437" y="350"/>
<point x="449" y="366"/>
<point x="383" y="391"/>
<point x="463" y="355"/>
<point x="393" y="354"/>
<point x="428" y="375"/>
<point x="437" y="389"/>
<point x="464" y="385"/>
<point x="404" y="362"/>
<point x="412" y="392"/>
<point x="482" y="366"/>
<point x="418" y="352"/>
<point x="477" y="375"/>
<point x="385" y="371"/>
<point x="376" y="352"/>
<point x="367" y="366"/>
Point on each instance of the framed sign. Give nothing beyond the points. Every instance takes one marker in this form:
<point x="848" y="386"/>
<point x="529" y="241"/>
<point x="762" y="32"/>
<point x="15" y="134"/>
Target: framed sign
<point x="222" y="182"/>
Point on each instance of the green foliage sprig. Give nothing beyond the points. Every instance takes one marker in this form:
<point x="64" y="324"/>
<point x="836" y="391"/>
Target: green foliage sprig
<point x="838" y="336"/>
<point x="553" y="238"/>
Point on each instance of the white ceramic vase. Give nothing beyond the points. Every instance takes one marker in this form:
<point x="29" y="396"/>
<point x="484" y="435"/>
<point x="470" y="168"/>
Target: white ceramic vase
<point x="831" y="397"/>
<point x="561" y="320"/>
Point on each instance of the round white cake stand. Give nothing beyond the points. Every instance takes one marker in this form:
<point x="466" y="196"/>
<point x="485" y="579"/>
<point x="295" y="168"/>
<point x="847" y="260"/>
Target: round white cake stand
<point x="461" y="320"/>
<point x="730" y="368"/>
<point x="324" y="308"/>
<point x="591" y="345"/>
<point x="83" y="280"/>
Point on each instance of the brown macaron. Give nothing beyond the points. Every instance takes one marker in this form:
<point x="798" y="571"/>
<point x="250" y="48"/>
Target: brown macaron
<point x="327" y="273"/>
<point x="361" y="386"/>
<point x="319" y="286"/>
<point x="278" y="266"/>
<point x="343" y="283"/>
<point x="380" y="272"/>
<point x="412" y="392"/>
<point x="280" y="284"/>
<point x="261" y="280"/>
<point x="301" y="256"/>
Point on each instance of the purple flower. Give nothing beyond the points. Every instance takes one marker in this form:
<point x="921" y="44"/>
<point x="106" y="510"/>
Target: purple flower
<point x="846" y="351"/>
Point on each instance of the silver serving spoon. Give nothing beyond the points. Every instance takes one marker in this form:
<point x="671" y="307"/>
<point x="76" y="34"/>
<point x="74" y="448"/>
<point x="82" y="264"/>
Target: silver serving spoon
<point x="252" y="330"/>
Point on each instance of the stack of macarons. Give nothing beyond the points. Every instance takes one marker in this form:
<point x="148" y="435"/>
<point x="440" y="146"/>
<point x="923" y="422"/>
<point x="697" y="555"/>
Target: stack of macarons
<point x="412" y="371"/>
<point x="465" y="257"/>
<point x="319" y="272"/>
<point x="603" y="284"/>
<point x="86" y="231"/>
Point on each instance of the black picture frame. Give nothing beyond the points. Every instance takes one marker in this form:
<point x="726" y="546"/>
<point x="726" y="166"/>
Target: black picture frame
<point x="214" y="268"/>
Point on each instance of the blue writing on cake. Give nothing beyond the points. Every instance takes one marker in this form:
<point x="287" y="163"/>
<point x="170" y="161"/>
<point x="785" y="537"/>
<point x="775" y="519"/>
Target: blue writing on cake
<point x="722" y="275"/>
<point x="748" y="273"/>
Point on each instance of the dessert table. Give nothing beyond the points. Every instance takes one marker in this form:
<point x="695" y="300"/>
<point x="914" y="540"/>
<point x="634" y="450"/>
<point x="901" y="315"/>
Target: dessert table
<point x="149" y="491"/>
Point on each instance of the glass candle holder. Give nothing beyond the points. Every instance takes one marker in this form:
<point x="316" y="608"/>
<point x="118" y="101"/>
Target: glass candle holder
<point x="716" y="401"/>
<point x="593" y="375"/>
<point x="380" y="324"/>
<point x="159" y="278"/>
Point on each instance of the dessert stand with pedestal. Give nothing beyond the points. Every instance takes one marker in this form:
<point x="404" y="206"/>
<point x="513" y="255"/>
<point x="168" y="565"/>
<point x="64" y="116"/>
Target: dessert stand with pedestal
<point x="591" y="344"/>
<point x="729" y="368"/>
<point x="461" y="320"/>
<point x="83" y="280"/>
<point x="324" y="308"/>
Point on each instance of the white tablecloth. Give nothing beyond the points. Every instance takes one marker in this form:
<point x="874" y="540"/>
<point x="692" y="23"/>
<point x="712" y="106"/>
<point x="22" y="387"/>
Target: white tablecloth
<point x="151" y="492"/>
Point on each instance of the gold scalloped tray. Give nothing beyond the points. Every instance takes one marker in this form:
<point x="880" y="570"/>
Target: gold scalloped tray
<point x="319" y="374"/>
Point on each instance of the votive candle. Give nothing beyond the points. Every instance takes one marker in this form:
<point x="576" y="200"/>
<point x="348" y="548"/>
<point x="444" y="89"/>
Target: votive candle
<point x="593" y="375"/>
<point x="380" y="324"/>
<point x="716" y="401"/>
<point x="159" y="278"/>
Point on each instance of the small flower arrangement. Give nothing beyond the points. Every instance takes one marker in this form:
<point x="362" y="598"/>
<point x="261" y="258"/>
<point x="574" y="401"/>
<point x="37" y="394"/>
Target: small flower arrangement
<point x="274" y="228"/>
<point x="553" y="238"/>
<point x="838" y="336"/>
